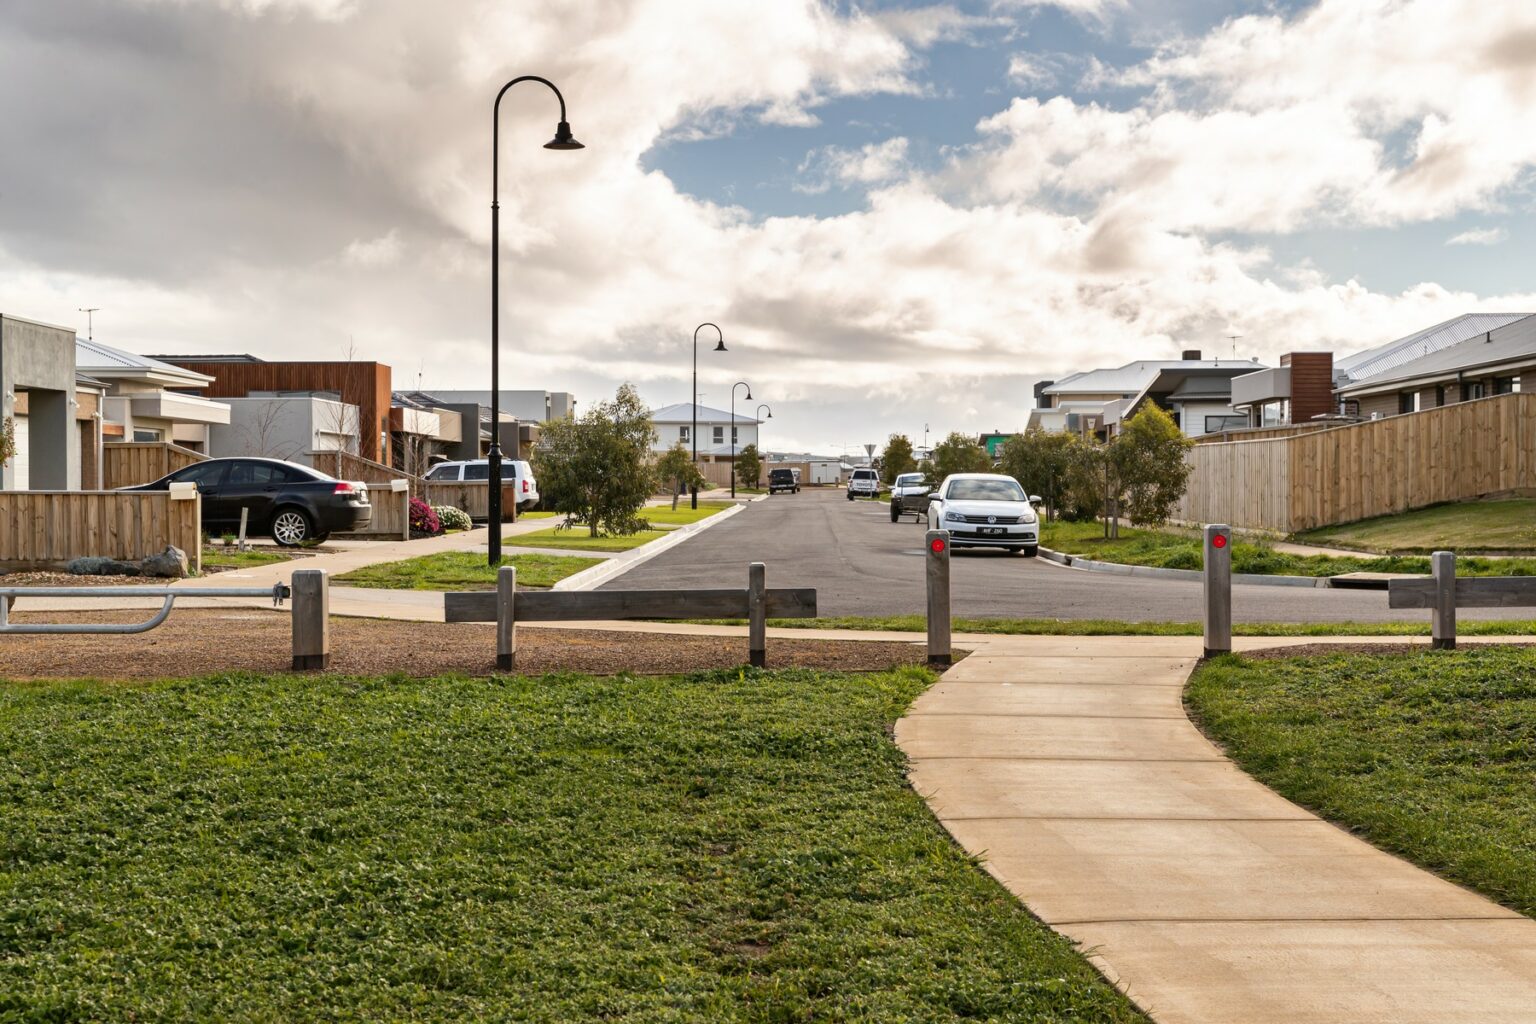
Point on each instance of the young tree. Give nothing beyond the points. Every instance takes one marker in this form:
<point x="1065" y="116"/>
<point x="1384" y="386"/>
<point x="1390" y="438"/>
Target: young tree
<point x="1043" y="461"/>
<point x="957" y="453"/>
<point x="749" y="466"/>
<point x="596" y="469"/>
<point x="7" y="441"/>
<point x="897" y="458"/>
<point x="1149" y="468"/>
<point x="676" y="472"/>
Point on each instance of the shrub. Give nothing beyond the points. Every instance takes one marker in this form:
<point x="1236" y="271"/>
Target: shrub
<point x="424" y="521"/>
<point x="452" y="518"/>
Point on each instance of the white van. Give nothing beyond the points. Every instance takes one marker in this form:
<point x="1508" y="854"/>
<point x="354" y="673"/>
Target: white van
<point x="864" y="483"/>
<point x="512" y="471"/>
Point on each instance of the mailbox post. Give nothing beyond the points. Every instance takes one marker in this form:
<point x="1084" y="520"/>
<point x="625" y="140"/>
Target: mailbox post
<point x="1218" y="589"/>
<point x="937" y="559"/>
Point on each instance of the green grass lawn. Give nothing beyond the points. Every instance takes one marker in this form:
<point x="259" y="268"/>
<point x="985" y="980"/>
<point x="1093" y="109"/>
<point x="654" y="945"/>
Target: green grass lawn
<point x="1430" y="755"/>
<point x="578" y="539"/>
<point x="221" y="556"/>
<point x="1468" y="526"/>
<point x="662" y="515"/>
<point x="731" y="847"/>
<point x="1117" y="627"/>
<point x="463" y="570"/>
<point x="1170" y="549"/>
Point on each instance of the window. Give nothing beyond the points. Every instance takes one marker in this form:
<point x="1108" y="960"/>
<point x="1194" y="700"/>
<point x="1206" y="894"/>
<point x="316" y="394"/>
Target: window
<point x="682" y="434"/>
<point x="719" y="435"/>
<point x="260" y="474"/>
<point x="1471" y="389"/>
<point x="1407" y="401"/>
<point x="444" y="473"/>
<point x="141" y="436"/>
<point x="985" y="490"/>
<point x="204" y="474"/>
<point x="477" y="471"/>
<point x="735" y="437"/>
<point x="1216" y="424"/>
<point x="1506" y="385"/>
<point x="1439" y="395"/>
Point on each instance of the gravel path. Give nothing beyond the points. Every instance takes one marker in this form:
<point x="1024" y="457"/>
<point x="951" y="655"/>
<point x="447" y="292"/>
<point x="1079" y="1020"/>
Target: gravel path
<point x="199" y="641"/>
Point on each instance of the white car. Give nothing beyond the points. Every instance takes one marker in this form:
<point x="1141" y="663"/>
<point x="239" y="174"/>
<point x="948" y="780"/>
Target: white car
<point x="513" y="471"/>
<point x="864" y="483"/>
<point x="985" y="510"/>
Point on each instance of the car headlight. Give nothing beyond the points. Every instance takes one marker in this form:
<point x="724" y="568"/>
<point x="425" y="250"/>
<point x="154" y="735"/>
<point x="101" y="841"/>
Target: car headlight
<point x="1028" y="518"/>
<point x="954" y="517"/>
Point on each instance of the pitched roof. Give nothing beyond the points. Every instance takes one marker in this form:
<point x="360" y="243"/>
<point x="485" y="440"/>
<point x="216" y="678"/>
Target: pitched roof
<point x="682" y="412"/>
<point x="1512" y="342"/>
<point x="1376" y="361"/>
<point x="1133" y="378"/>
<point x="94" y="357"/>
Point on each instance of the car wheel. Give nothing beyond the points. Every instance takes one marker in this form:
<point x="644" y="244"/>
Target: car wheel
<point x="1031" y="552"/>
<point x="895" y="513"/>
<point x="291" y="527"/>
<point x="850" y="495"/>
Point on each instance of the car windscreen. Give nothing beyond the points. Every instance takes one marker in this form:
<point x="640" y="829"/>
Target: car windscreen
<point x="986" y="490"/>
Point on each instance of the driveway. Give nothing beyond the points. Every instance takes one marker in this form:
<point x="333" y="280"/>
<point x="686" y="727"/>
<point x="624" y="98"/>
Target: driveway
<point x="863" y="564"/>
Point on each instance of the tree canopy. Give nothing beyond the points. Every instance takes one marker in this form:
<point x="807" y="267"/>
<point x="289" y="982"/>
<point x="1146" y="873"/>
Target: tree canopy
<point x="957" y="453"/>
<point x="596" y="469"/>
<point x="1044" y="462"/>
<point x="676" y="472"/>
<point x="897" y="458"/>
<point x="749" y="466"/>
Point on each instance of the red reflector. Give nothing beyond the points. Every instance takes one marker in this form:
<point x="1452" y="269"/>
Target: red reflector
<point x="1219" y="541"/>
<point x="937" y="544"/>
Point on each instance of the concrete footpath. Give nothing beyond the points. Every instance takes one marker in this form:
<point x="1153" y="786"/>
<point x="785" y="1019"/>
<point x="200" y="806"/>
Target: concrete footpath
<point x="1069" y="766"/>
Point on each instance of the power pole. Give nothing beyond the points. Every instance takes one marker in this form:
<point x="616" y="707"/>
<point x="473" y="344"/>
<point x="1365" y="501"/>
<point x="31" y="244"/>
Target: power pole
<point x="90" y="328"/>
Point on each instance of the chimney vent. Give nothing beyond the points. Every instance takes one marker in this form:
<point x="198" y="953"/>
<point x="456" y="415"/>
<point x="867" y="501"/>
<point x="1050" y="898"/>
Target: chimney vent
<point x="1192" y="354"/>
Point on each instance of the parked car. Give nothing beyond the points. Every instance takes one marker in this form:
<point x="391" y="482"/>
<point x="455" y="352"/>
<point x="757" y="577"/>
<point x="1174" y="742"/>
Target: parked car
<point x="986" y="510"/>
<point x="784" y="480"/>
<point x="290" y="503"/>
<point x="864" y="483"/>
<point x="514" y="471"/>
<point x="909" y="496"/>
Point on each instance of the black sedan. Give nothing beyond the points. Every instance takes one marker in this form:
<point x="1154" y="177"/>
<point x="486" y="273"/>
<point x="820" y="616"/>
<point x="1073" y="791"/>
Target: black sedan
<point x="292" y="504"/>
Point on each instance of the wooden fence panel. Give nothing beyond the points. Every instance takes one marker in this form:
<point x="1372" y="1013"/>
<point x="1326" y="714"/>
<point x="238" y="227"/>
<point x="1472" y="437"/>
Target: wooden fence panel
<point x="40" y="529"/>
<point x="125" y="464"/>
<point x="1241" y="483"/>
<point x="389" y="512"/>
<point x="473" y="496"/>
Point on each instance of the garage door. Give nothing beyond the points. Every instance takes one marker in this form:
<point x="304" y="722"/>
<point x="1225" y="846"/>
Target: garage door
<point x="19" y="476"/>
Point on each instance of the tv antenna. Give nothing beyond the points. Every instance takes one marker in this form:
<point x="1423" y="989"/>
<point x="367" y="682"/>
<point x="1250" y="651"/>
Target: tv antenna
<point x="90" y="326"/>
<point x="1233" y="339"/>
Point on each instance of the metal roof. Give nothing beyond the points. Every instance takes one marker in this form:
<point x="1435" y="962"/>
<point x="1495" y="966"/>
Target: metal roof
<point x="1513" y="342"/>
<point x="682" y="412"/>
<point x="1133" y="378"/>
<point x="94" y="357"/>
<point x="1374" y="362"/>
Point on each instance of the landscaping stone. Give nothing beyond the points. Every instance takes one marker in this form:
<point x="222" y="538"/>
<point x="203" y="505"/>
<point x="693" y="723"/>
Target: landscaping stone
<point x="172" y="563"/>
<point x="95" y="565"/>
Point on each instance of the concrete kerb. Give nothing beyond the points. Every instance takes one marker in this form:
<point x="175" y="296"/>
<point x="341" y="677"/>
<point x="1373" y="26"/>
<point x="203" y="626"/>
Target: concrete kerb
<point x="589" y="579"/>
<point x="1187" y="575"/>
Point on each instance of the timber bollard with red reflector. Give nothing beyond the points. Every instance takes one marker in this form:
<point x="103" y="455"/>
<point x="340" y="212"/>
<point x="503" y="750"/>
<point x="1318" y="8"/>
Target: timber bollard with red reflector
<point x="1218" y="589"/>
<point x="937" y="542"/>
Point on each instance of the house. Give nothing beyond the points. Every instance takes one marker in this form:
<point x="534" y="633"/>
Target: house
<point x="466" y="442"/>
<point x="364" y="386"/>
<point x="1457" y="361"/>
<point x="424" y="431"/>
<point x="1298" y="390"/>
<point x="524" y="406"/>
<point x="297" y="426"/>
<point x="718" y="432"/>
<point x="1196" y="392"/>
<point x="146" y="400"/>
<point x="39" y="398"/>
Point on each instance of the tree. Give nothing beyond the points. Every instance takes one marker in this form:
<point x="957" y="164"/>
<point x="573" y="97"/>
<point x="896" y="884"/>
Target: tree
<point x="7" y="442"/>
<point x="676" y="472"/>
<point x="897" y="458"/>
<point x="596" y="469"/>
<point x="749" y="466"/>
<point x="1149" y="465"/>
<point x="1043" y="461"/>
<point x="957" y="453"/>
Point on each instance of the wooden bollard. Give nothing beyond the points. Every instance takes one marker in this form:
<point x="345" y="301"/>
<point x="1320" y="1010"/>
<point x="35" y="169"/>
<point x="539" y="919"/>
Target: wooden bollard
<point x="937" y="560"/>
<point x="506" y="619"/>
<point x="757" y="614"/>
<point x="311" y="620"/>
<point x="1442" y="618"/>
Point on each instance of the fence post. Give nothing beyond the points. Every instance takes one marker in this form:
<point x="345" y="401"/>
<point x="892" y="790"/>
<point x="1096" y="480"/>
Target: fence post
<point x="1442" y="618"/>
<point x="311" y="619"/>
<point x="938" y="596"/>
<point x="1218" y="589"/>
<point x="757" y="614"/>
<point x="402" y="487"/>
<point x="506" y="618"/>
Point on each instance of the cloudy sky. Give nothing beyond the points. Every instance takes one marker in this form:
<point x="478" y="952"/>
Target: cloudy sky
<point x="901" y="213"/>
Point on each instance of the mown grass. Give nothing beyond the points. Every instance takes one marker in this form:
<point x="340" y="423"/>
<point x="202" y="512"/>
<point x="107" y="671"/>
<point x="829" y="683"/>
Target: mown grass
<point x="732" y="846"/>
<point x="1120" y="627"/>
<point x="1431" y="755"/>
<point x="664" y="515"/>
<point x="1168" y="549"/>
<point x="463" y="570"/>
<point x="231" y="558"/>
<point x="578" y="539"/>
<point x="1508" y="525"/>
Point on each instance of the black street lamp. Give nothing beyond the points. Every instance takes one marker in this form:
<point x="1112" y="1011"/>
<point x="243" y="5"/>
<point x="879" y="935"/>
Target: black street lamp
<point x="694" y="405"/>
<point x="738" y="384"/>
<point x="563" y="140"/>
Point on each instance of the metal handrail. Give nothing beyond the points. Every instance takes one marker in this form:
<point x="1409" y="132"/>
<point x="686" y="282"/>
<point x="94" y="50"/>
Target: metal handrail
<point x="278" y="592"/>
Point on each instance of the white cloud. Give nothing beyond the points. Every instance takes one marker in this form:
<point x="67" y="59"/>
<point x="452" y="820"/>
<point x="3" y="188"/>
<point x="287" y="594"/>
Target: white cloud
<point x="874" y="164"/>
<point x="1479" y="236"/>
<point x="375" y="252"/>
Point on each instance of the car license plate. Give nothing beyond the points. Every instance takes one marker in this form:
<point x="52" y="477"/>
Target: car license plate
<point x="992" y="531"/>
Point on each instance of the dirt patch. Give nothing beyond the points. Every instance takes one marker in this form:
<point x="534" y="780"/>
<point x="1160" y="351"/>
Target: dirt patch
<point x="198" y="641"/>
<point x="42" y="578"/>
<point x="1316" y="650"/>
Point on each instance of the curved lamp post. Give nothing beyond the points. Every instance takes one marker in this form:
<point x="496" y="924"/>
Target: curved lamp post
<point x="738" y="384"/>
<point x="694" y="404"/>
<point x="563" y="140"/>
<point x="761" y="417"/>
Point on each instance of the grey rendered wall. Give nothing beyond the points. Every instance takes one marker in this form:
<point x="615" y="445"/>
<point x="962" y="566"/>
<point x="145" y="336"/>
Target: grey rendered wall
<point x="40" y="360"/>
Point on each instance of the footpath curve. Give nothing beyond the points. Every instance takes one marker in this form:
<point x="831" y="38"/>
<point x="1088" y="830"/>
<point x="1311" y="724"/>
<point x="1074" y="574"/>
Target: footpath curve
<point x="1070" y="767"/>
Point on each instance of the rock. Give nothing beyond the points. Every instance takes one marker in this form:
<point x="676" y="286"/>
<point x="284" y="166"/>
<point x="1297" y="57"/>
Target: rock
<point x="93" y="565"/>
<point x="171" y="562"/>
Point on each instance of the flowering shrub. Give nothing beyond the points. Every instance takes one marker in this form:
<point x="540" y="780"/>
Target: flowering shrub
<point x="424" y="521"/>
<point x="452" y="518"/>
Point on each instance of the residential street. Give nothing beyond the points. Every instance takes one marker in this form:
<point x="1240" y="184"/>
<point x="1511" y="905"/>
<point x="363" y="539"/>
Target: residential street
<point x="863" y="564"/>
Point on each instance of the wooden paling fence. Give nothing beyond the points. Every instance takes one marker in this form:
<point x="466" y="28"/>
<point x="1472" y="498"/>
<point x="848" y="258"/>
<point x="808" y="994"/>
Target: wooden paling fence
<point x="41" y="529"/>
<point x="1453" y="453"/>
<point x="473" y="496"/>
<point x="126" y="464"/>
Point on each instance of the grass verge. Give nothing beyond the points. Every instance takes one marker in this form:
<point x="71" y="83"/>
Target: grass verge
<point x="218" y="557"/>
<point x="730" y="846"/>
<point x="463" y="570"/>
<point x="1508" y="525"/>
<point x="578" y="539"/>
<point x="1431" y="755"/>
<point x="1167" y="549"/>
<point x="1119" y="627"/>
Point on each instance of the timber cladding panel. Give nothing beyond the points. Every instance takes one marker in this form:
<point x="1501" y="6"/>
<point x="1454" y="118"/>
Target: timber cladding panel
<point x="1454" y="453"/>
<point x="48" y="528"/>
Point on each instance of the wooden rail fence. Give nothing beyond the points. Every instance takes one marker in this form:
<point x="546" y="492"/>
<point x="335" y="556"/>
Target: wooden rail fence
<point x="45" y="529"/>
<point x="126" y="464"/>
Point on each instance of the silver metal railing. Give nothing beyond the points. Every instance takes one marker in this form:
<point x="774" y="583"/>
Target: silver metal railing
<point x="278" y="593"/>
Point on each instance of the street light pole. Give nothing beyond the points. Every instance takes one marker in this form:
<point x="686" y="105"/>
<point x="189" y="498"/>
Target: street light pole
<point x="694" y="404"/>
<point x="563" y="140"/>
<point x="760" y="418"/>
<point x="738" y="384"/>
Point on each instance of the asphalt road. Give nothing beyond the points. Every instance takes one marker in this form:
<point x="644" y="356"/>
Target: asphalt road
<point x="863" y="564"/>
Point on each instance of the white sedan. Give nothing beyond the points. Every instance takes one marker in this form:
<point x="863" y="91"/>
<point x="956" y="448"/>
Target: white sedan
<point x="985" y="510"/>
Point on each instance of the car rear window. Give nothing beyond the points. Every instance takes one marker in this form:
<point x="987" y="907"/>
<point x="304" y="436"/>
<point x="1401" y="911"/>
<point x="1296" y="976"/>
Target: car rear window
<point x="863" y="474"/>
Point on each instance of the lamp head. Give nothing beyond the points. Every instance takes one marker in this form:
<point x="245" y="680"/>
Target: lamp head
<point x="563" y="138"/>
<point x="770" y="414"/>
<point x="749" y="394"/>
<point x="720" y="347"/>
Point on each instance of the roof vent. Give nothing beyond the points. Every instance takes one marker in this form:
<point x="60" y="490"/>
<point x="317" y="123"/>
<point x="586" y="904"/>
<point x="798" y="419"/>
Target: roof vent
<point x="1191" y="354"/>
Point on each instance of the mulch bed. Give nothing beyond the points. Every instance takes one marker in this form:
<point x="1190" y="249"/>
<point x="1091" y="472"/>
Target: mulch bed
<point x="199" y="641"/>
<point x="1314" y="650"/>
<point x="42" y="578"/>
